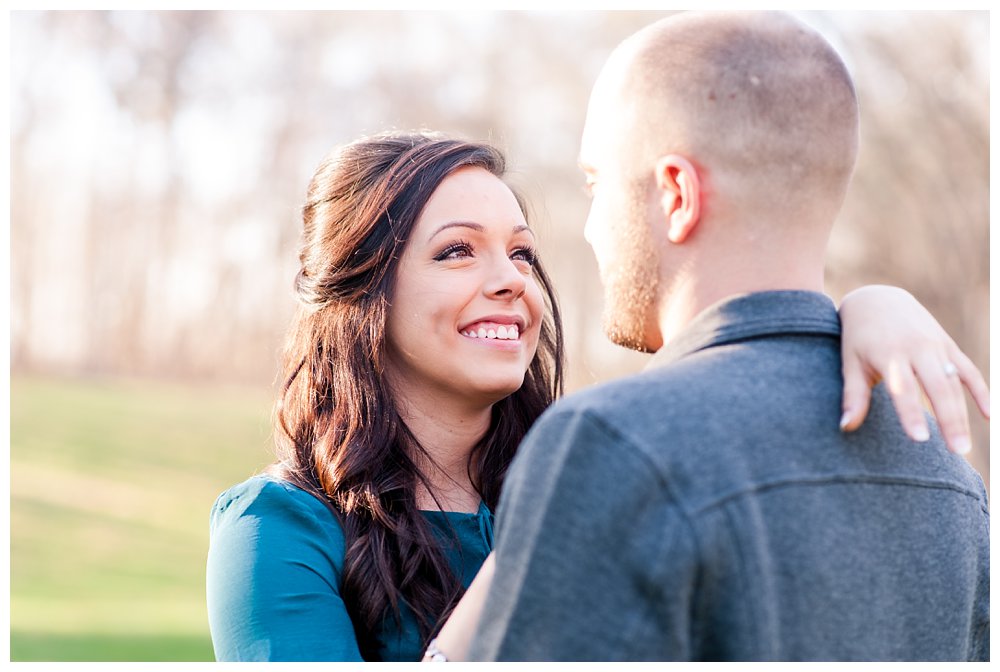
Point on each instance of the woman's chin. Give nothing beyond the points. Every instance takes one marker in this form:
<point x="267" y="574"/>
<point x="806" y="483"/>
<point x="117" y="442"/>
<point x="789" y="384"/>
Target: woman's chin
<point x="493" y="391"/>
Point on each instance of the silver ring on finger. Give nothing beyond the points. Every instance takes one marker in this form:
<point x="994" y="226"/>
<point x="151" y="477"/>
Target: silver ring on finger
<point x="950" y="369"/>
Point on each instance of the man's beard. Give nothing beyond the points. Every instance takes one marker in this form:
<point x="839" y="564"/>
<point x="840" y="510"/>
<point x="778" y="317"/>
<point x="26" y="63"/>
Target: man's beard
<point x="631" y="287"/>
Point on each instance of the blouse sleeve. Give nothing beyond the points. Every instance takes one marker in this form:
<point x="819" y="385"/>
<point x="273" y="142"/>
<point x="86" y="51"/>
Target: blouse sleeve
<point x="273" y="577"/>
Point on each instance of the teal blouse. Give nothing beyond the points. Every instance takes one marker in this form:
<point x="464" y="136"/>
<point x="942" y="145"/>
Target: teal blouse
<point x="275" y="561"/>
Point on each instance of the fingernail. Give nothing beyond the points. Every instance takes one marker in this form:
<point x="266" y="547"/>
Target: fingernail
<point x="844" y="419"/>
<point x="920" y="434"/>
<point x="963" y="446"/>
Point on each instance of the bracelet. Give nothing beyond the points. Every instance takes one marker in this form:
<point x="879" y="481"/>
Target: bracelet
<point x="433" y="654"/>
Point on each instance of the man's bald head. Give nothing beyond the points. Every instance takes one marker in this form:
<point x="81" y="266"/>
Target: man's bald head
<point x="761" y="104"/>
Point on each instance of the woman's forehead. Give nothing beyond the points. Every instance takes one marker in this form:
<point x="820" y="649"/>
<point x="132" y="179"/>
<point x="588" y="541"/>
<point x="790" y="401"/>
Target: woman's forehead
<point x="472" y="195"/>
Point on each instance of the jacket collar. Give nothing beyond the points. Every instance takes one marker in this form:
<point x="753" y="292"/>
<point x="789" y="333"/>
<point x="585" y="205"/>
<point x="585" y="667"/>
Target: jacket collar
<point x="747" y="316"/>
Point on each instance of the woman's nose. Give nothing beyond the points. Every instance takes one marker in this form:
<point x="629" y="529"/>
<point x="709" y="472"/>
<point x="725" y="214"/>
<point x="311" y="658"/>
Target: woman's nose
<point x="507" y="280"/>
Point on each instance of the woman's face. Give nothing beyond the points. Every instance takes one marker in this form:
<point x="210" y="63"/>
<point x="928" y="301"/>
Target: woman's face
<point x="467" y="311"/>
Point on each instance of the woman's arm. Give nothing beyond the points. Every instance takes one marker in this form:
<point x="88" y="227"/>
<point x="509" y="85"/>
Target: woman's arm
<point x="272" y="577"/>
<point x="888" y="335"/>
<point x="456" y="635"/>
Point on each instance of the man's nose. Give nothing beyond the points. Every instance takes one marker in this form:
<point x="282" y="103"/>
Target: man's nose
<point x="588" y="228"/>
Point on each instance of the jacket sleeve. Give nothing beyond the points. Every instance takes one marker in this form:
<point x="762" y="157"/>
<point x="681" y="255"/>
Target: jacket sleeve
<point x="274" y="563"/>
<point x="594" y="561"/>
<point x="979" y="649"/>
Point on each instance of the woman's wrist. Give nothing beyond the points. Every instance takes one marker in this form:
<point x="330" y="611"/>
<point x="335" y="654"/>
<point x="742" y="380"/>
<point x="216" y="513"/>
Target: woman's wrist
<point x="433" y="654"/>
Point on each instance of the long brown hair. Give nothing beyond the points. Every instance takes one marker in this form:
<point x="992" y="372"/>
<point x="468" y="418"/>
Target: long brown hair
<point x="338" y="430"/>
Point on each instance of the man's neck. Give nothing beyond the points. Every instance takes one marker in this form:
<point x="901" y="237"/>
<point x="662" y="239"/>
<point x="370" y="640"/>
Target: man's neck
<point x="688" y="294"/>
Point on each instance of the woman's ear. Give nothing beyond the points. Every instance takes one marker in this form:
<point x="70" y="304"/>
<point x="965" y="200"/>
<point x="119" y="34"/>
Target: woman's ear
<point x="681" y="201"/>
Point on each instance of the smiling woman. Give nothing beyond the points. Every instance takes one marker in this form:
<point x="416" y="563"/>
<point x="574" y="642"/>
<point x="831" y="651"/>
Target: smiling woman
<point x="427" y="342"/>
<point x="467" y="309"/>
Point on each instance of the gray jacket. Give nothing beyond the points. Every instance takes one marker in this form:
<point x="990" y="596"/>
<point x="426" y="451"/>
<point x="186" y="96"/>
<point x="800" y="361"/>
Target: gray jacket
<point x="711" y="509"/>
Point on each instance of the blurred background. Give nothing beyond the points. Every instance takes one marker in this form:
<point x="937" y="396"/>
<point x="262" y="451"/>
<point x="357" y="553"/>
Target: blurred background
<point x="158" y="164"/>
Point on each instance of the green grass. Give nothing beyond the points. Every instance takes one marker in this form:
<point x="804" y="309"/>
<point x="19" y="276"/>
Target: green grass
<point x="111" y="484"/>
<point x="117" y="648"/>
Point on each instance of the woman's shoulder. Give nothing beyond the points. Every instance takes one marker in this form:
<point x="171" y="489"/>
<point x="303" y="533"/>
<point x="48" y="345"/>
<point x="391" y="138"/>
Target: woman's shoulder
<point x="267" y="501"/>
<point x="273" y="575"/>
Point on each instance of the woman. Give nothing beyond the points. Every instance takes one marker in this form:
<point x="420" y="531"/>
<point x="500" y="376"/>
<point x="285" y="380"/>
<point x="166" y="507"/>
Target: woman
<point x="427" y="343"/>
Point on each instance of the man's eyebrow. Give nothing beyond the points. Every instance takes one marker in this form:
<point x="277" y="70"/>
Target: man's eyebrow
<point x="476" y="227"/>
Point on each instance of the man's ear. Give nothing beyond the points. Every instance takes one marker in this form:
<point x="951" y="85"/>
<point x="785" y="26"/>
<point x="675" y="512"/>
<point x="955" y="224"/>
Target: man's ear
<point x="678" y="180"/>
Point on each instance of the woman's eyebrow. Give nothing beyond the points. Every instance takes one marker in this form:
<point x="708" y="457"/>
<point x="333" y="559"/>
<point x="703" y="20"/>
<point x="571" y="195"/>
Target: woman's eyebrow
<point x="476" y="227"/>
<point x="450" y="225"/>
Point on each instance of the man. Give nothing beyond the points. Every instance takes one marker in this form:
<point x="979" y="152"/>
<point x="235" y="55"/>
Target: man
<point x="711" y="508"/>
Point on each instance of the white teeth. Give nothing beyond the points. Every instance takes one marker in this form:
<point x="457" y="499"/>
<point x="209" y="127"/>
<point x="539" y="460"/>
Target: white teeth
<point x="501" y="332"/>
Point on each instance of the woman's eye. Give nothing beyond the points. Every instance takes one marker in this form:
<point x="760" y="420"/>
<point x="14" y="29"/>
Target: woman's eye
<point x="454" y="251"/>
<point x="525" y="254"/>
